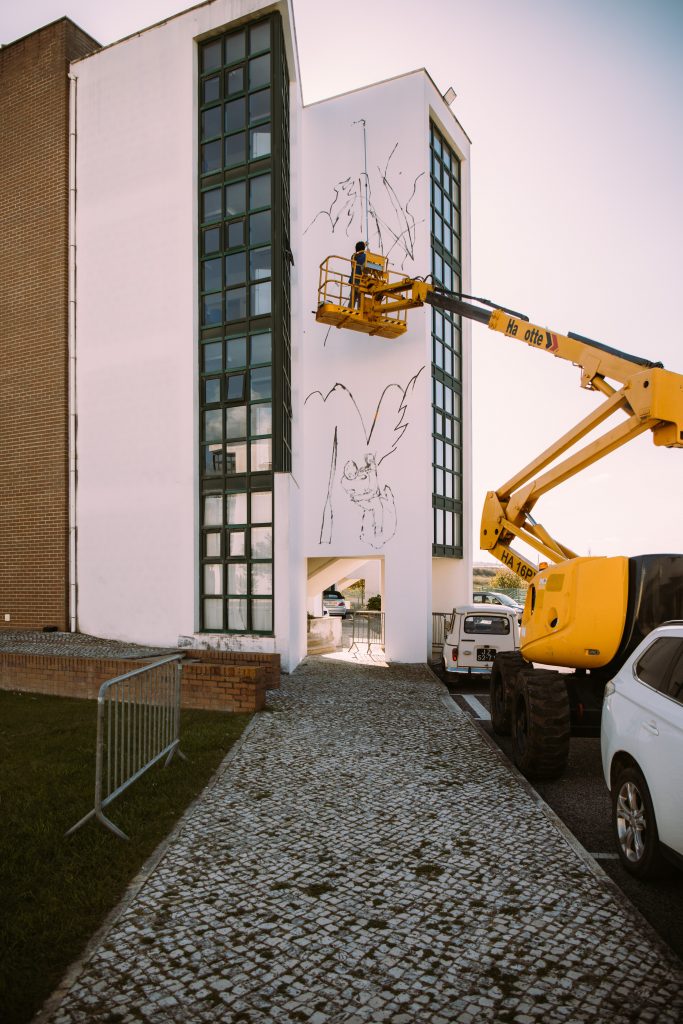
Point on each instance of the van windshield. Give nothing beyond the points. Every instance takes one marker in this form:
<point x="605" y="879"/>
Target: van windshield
<point x="494" y="625"/>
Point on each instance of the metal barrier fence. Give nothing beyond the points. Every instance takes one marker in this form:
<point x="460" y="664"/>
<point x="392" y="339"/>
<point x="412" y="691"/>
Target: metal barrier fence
<point x="138" y="722"/>
<point x="439" y="622"/>
<point x="367" y="629"/>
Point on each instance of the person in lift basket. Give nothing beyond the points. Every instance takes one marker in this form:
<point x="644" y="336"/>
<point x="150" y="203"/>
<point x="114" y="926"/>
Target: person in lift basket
<point x="357" y="265"/>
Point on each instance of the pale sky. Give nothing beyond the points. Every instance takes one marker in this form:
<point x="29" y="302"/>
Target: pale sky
<point x="573" y="108"/>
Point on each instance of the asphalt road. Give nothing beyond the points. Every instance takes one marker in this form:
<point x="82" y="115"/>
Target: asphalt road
<point x="581" y="800"/>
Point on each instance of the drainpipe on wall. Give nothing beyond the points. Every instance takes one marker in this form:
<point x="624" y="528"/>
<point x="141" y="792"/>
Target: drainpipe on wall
<point x="71" y="334"/>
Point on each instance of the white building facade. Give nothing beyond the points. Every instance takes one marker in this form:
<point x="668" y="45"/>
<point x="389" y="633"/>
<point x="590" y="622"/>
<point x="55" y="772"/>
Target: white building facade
<point x="234" y="457"/>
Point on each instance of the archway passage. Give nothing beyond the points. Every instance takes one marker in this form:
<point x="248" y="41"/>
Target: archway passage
<point x="338" y="593"/>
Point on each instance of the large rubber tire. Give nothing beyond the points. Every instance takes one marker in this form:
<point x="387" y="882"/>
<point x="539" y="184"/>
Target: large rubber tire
<point x="540" y="723"/>
<point x="505" y="668"/>
<point x="635" y="827"/>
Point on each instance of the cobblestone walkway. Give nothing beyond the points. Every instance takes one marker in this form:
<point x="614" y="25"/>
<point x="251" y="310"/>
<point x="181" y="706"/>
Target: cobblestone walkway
<point x="366" y="857"/>
<point x="73" y="645"/>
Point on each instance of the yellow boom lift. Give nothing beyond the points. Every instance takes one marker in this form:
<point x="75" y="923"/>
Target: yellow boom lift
<point x="581" y="614"/>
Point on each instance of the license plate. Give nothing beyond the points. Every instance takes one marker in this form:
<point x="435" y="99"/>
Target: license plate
<point x="485" y="653"/>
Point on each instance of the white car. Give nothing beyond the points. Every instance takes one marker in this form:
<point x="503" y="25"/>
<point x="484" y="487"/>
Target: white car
<point x="642" y="752"/>
<point x="495" y="597"/>
<point x="475" y="634"/>
<point x="334" y="603"/>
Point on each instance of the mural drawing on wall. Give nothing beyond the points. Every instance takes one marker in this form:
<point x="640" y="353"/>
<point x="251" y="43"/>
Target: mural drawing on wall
<point x="345" y="212"/>
<point x="356" y="478"/>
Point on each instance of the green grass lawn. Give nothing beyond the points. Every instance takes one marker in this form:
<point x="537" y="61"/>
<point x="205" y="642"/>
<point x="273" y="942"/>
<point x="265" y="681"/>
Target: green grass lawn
<point x="55" y="892"/>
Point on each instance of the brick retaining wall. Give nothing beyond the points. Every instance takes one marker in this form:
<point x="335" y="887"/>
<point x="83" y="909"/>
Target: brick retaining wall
<point x="237" y="683"/>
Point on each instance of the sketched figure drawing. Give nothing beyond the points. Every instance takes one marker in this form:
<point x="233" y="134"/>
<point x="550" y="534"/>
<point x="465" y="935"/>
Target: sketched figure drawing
<point x="397" y="229"/>
<point x="379" y="508"/>
<point x="354" y="455"/>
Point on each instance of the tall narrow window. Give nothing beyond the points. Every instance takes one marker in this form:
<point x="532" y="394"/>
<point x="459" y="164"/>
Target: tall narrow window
<point x="446" y="352"/>
<point x="244" y="319"/>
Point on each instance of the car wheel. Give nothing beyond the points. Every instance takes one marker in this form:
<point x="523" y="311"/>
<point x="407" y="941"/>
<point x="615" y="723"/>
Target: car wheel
<point x="635" y="827"/>
<point x="540" y="723"/>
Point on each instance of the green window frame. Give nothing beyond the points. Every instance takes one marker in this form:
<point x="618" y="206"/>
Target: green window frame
<point x="244" y="319"/>
<point x="445" y="219"/>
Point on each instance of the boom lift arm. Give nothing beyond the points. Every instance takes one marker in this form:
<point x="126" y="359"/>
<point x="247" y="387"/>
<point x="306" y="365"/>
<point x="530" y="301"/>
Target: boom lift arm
<point x="650" y="396"/>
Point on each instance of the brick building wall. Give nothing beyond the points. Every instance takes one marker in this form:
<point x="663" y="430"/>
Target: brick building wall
<point x="34" y="165"/>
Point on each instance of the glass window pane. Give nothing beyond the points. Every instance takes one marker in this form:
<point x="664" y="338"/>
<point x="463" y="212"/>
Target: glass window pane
<point x="211" y="55"/>
<point x="260" y="264"/>
<point x="213" y="509"/>
<point x="236" y="421"/>
<point x="213" y="459"/>
<point x="212" y="545"/>
<point x="259" y="228"/>
<point x="236" y="457"/>
<point x="236" y="508"/>
<point x="259" y="37"/>
<point x="212" y="390"/>
<point x="235" y="198"/>
<point x="235" y="234"/>
<point x="261" y="507"/>
<point x="261" y="386"/>
<point x="212" y="309"/>
<point x="261" y="456"/>
<point x="262" y="579"/>
<point x="237" y="578"/>
<point x="212" y="275"/>
<point x="211" y="89"/>
<point x="213" y="614"/>
<point x="259" y="106"/>
<point x="235" y="388"/>
<point x="211" y="122"/>
<point x="438" y="513"/>
<point x="213" y="425"/>
<point x="212" y="240"/>
<point x="211" y="156"/>
<point x="211" y="205"/>
<point x="235" y="150"/>
<point x="237" y="352"/>
<point x="261" y="348"/>
<point x="236" y="543"/>
<point x="259" y="142"/>
<point x="235" y="115"/>
<point x="237" y="614"/>
<point x="261" y="299"/>
<point x="235" y="269"/>
<point x="235" y="48"/>
<point x="262" y="615"/>
<point x="261" y="419"/>
<point x="261" y="541"/>
<point x="234" y="81"/>
<point x="236" y="304"/>
<point x="213" y="579"/>
<point x="259" y="191"/>
<point x="213" y="359"/>
<point x="259" y="71"/>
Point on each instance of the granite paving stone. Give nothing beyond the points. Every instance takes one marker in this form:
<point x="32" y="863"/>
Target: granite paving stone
<point x="364" y="857"/>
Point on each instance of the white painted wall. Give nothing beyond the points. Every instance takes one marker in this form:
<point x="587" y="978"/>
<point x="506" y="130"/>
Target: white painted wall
<point x="136" y="342"/>
<point x="136" y="336"/>
<point x="346" y="374"/>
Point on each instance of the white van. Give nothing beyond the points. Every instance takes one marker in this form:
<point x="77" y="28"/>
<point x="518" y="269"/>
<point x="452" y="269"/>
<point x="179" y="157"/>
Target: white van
<point x="475" y="634"/>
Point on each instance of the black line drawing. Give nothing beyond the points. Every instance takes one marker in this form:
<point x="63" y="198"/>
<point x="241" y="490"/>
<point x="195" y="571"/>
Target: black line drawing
<point x="341" y="436"/>
<point x="378" y="522"/>
<point x="328" y="511"/>
<point x="346" y="211"/>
